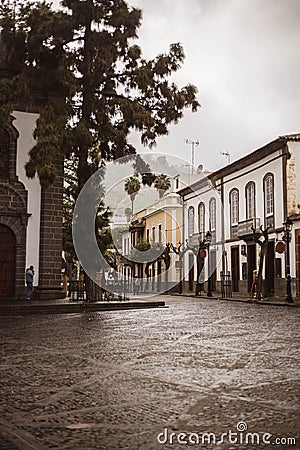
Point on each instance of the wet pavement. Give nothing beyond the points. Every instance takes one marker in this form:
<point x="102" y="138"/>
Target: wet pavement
<point x="152" y="379"/>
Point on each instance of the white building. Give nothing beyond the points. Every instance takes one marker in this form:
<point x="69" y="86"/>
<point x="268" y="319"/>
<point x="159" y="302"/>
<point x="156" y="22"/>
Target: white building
<point x="260" y="189"/>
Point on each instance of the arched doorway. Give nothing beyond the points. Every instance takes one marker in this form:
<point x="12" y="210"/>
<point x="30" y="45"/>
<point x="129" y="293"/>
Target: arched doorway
<point x="7" y="262"/>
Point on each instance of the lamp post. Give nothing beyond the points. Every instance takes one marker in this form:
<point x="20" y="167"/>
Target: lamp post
<point x="288" y="226"/>
<point x="180" y="250"/>
<point x="208" y="237"/>
<point x="201" y="248"/>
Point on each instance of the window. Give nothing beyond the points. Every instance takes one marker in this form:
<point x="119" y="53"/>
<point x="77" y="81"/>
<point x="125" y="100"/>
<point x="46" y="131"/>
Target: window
<point x="191" y="216"/>
<point x="250" y="200"/>
<point x="269" y="194"/>
<point x="153" y="234"/>
<point x="212" y="219"/>
<point x="148" y="235"/>
<point x="212" y="214"/>
<point x="234" y="207"/>
<point x="201" y="220"/>
<point x="159" y="233"/>
<point x="4" y="153"/>
<point x="269" y="200"/>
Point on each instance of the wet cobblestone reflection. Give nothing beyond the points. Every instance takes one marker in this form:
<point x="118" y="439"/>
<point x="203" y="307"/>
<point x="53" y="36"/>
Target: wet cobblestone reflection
<point x="113" y="380"/>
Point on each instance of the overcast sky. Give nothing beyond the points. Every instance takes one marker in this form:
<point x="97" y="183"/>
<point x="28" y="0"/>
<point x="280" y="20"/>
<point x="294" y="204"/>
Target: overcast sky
<point x="243" y="56"/>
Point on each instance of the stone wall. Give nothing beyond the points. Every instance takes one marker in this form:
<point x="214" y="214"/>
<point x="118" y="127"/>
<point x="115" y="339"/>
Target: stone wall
<point x="51" y="238"/>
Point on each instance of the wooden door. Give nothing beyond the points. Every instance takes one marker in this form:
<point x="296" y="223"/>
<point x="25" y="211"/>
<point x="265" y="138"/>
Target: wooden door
<point x="7" y="262"/>
<point x="251" y="261"/>
<point x="191" y="271"/>
<point x="213" y="269"/>
<point x="235" y="268"/>
<point x="270" y="269"/>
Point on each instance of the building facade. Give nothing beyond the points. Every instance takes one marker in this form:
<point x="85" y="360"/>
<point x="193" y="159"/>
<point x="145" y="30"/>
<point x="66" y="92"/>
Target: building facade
<point x="159" y="224"/>
<point x="30" y="217"/>
<point x="256" y="193"/>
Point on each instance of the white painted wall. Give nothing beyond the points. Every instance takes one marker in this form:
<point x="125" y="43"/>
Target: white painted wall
<point x="241" y="179"/>
<point x="204" y="195"/>
<point x="25" y="123"/>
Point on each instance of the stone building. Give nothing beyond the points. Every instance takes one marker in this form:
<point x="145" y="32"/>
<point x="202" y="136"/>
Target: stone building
<point x="30" y="217"/>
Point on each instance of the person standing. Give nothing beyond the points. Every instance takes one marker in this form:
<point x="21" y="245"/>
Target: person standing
<point x="136" y="285"/>
<point x="29" y="282"/>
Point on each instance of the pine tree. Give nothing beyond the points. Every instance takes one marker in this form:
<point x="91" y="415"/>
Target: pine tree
<point x="92" y="81"/>
<point x="80" y="65"/>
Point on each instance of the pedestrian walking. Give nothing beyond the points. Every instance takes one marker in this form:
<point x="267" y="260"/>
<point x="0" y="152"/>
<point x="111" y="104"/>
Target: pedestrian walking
<point x="29" y="282"/>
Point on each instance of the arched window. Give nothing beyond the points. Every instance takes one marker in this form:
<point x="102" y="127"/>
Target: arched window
<point x="212" y="219"/>
<point x="201" y="220"/>
<point x="191" y="217"/>
<point x="269" y="194"/>
<point x="4" y="153"/>
<point x="250" y="200"/>
<point x="212" y="214"/>
<point x="269" y="199"/>
<point x="153" y="234"/>
<point x="159" y="233"/>
<point x="234" y="207"/>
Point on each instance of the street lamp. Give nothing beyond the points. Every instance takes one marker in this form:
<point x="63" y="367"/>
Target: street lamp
<point x="180" y="250"/>
<point x="288" y="226"/>
<point x="208" y="238"/>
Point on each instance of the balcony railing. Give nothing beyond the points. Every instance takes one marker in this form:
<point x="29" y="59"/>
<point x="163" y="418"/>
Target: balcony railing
<point x="244" y="227"/>
<point x="195" y="239"/>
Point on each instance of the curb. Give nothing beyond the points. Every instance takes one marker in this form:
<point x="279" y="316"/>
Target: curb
<point x="68" y="308"/>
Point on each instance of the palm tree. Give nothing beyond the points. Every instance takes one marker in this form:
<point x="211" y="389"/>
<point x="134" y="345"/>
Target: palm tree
<point x="148" y="178"/>
<point x="132" y="187"/>
<point x="162" y="184"/>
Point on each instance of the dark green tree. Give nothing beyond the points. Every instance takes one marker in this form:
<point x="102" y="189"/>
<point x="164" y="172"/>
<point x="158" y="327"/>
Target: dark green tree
<point x="80" y="65"/>
<point x="132" y="187"/>
<point x="95" y="87"/>
<point x="162" y="184"/>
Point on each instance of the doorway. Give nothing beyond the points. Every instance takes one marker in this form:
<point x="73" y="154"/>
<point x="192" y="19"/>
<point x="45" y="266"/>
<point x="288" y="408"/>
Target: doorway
<point x="270" y="269"/>
<point x="213" y="268"/>
<point x="191" y="271"/>
<point x="235" y="268"/>
<point x="7" y="262"/>
<point x="297" y="253"/>
<point x="251" y="261"/>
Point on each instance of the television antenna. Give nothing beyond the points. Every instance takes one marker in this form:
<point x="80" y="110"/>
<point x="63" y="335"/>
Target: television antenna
<point x="193" y="144"/>
<point x="227" y="154"/>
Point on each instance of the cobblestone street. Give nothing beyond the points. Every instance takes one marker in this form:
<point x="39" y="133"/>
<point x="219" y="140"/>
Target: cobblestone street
<point x="115" y="380"/>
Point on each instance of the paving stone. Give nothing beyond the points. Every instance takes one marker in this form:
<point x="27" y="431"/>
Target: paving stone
<point x="115" y="380"/>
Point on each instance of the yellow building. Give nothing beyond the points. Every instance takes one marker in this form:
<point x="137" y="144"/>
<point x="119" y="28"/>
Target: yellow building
<point x="160" y="225"/>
